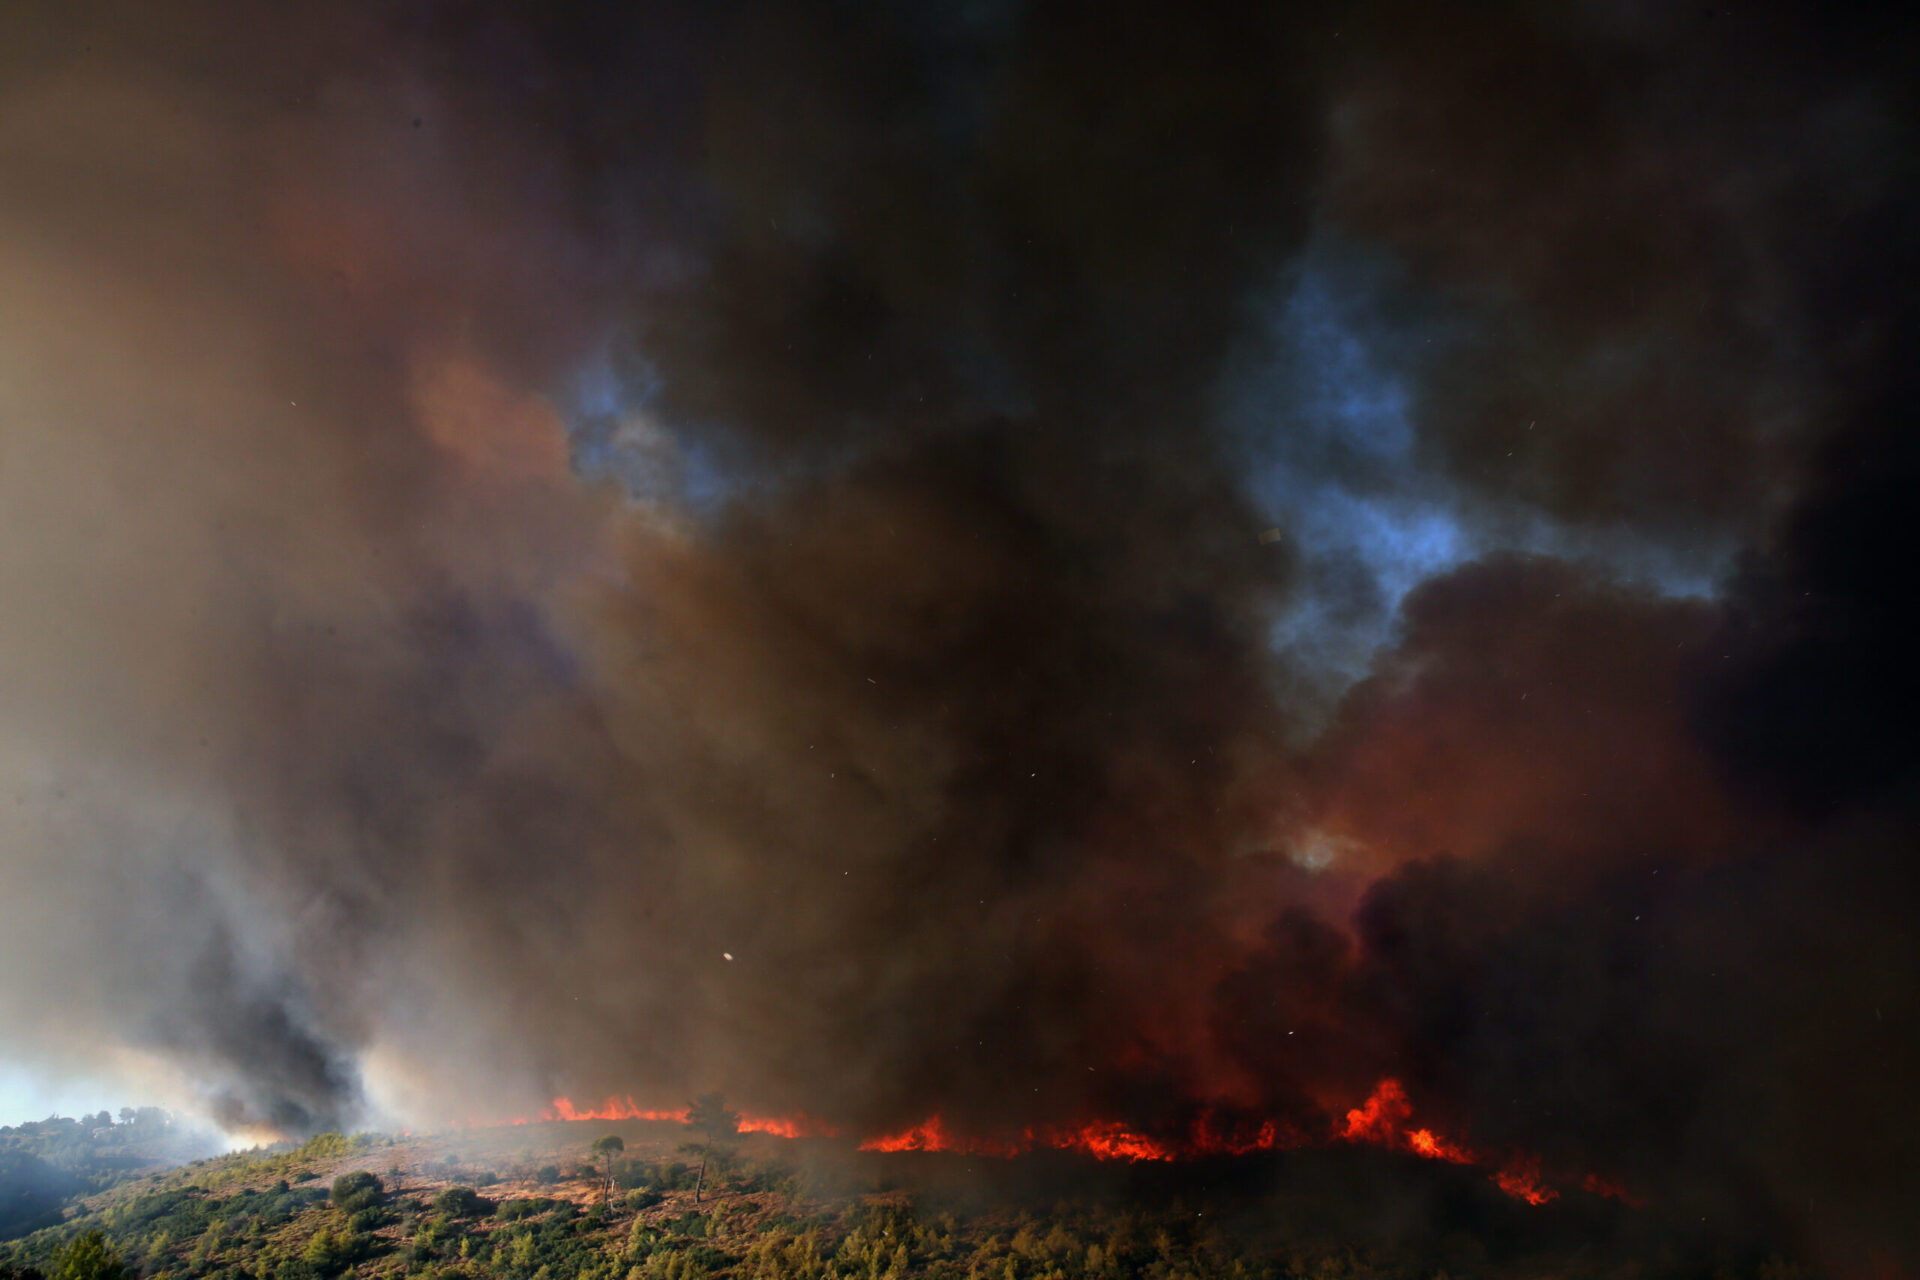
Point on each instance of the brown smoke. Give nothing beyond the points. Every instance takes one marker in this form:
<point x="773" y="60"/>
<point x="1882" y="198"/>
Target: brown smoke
<point x="507" y="507"/>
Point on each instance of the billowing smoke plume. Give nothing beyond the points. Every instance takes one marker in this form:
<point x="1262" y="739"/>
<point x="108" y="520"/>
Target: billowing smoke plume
<point x="1028" y="563"/>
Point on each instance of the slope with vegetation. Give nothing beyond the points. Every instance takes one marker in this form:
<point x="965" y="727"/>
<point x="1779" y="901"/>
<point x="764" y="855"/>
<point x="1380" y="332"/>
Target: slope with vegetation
<point x="570" y="1202"/>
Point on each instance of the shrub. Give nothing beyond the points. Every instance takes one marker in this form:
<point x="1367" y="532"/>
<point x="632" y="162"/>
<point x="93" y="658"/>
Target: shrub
<point x="515" y="1210"/>
<point x="369" y="1220"/>
<point x="353" y="1192"/>
<point x="462" y="1202"/>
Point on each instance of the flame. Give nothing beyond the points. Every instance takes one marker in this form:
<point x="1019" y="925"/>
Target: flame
<point x="794" y="1126"/>
<point x="1109" y="1141"/>
<point x="611" y="1109"/>
<point x="1425" y="1143"/>
<point x="931" y="1134"/>
<point x="1101" y="1139"/>
<point x="1214" y="1136"/>
<point x="1521" y="1180"/>
<point x="1384" y="1119"/>
<point x="1378" y="1120"/>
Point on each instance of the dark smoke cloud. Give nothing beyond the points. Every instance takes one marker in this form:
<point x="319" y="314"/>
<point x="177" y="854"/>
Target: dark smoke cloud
<point x="1116" y="561"/>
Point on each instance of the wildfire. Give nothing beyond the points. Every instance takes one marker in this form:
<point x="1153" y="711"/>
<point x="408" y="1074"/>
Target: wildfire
<point x="1521" y="1180"/>
<point x="931" y="1134"/>
<point x="1109" y="1142"/>
<point x="611" y="1109"/>
<point x="1101" y="1139"/>
<point x="1424" y="1143"/>
<point x="797" y="1126"/>
<point x="1384" y="1119"/>
<point x="1377" y="1121"/>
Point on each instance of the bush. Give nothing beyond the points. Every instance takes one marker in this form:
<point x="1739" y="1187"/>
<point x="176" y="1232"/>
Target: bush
<point x="515" y="1210"/>
<point x="547" y="1175"/>
<point x="462" y="1202"/>
<point x="639" y="1200"/>
<point x="369" y="1220"/>
<point x="353" y="1192"/>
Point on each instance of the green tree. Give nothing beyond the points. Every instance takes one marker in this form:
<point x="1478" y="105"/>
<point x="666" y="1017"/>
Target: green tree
<point x="606" y="1148"/>
<point x="708" y="1115"/>
<point x="355" y="1191"/>
<point x="87" y="1257"/>
<point x="462" y="1202"/>
<point x="324" y="1252"/>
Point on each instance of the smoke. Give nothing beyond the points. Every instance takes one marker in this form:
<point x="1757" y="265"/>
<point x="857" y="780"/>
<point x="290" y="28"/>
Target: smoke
<point x="1032" y="564"/>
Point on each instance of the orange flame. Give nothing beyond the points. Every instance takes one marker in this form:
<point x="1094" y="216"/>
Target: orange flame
<point x="1382" y="1119"/>
<point x="1108" y="1141"/>
<point x="795" y="1126"/>
<point x="931" y="1135"/>
<point x="611" y="1109"/>
<point x="1378" y="1120"/>
<point x="1521" y="1180"/>
<point x="1425" y="1143"/>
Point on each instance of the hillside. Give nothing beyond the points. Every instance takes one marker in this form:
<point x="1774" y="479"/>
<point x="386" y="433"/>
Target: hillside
<point x="46" y="1163"/>
<point x="523" y="1203"/>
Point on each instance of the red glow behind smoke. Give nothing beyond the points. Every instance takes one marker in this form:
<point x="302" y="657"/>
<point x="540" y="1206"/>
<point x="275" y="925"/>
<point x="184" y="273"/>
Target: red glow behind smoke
<point x="1384" y="1120"/>
<point x="1594" y="1184"/>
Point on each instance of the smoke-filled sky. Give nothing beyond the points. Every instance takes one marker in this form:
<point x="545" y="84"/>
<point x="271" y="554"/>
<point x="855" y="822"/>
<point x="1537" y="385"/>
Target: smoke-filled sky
<point x="1116" y="558"/>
